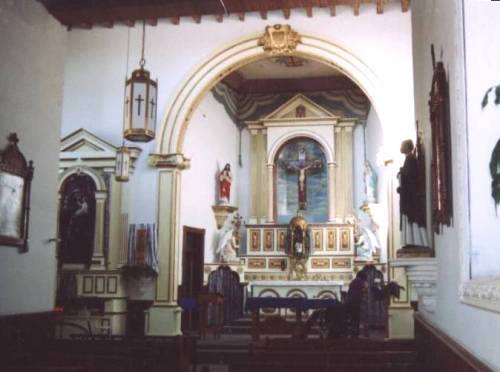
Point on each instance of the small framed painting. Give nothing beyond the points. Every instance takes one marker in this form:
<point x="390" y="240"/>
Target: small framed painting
<point x="15" y="186"/>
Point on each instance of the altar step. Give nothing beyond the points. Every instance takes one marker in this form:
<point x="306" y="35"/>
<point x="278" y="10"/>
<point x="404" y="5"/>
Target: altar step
<point x="285" y="354"/>
<point x="242" y="326"/>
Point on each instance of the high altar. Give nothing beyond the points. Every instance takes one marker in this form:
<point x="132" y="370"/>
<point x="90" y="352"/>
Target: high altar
<point x="301" y="170"/>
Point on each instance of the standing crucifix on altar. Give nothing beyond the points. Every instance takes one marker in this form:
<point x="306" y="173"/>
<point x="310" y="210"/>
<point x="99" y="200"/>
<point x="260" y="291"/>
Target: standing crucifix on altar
<point x="302" y="166"/>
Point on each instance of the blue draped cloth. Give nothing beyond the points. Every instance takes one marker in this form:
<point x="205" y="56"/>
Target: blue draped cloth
<point x="150" y="250"/>
<point x="255" y="303"/>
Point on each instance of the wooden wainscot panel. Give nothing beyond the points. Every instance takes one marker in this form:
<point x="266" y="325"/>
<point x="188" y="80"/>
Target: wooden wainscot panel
<point x="331" y="243"/>
<point x="268" y="240"/>
<point x="317" y="235"/>
<point x="256" y="263"/>
<point x="281" y="239"/>
<point x="254" y="240"/>
<point x="88" y="284"/>
<point x="438" y="352"/>
<point x="320" y="263"/>
<point x="345" y="239"/>
<point x="276" y="263"/>
<point x="112" y="285"/>
<point x="341" y="263"/>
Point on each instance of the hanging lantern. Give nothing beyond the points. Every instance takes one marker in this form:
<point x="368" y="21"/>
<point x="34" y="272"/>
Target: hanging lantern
<point x="122" y="166"/>
<point x="141" y="95"/>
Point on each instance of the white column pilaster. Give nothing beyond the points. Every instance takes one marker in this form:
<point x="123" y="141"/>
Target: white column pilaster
<point x="164" y="317"/>
<point x="98" y="260"/>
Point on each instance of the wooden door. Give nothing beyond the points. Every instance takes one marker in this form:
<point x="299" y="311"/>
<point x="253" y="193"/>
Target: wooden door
<point x="193" y="257"/>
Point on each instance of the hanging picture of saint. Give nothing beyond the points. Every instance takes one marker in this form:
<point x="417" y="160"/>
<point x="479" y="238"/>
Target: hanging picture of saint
<point x="77" y="219"/>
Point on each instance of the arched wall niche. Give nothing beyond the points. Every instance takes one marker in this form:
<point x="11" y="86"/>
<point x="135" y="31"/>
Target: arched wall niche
<point x="98" y="180"/>
<point x="281" y="141"/>
<point x="286" y="199"/>
<point x="96" y="212"/>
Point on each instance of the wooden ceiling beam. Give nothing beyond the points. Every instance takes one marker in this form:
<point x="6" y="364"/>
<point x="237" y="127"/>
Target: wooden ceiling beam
<point x="107" y="24"/>
<point x="154" y="21"/>
<point x="175" y="20"/>
<point x="85" y="25"/>
<point x="355" y="7"/>
<point x="78" y="12"/>
<point x="129" y="22"/>
<point x="405" y="5"/>
<point x="332" y="4"/>
<point x="219" y="18"/>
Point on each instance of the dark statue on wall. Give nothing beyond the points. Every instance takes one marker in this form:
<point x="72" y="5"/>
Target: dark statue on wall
<point x="495" y="173"/>
<point x="77" y="219"/>
<point x="441" y="187"/>
<point x="412" y="198"/>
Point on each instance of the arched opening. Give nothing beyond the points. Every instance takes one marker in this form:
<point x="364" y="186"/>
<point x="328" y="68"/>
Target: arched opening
<point x="77" y="219"/>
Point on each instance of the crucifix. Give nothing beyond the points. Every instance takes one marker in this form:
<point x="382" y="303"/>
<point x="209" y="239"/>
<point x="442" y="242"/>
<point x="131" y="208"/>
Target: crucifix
<point x="139" y="99"/>
<point x="301" y="166"/>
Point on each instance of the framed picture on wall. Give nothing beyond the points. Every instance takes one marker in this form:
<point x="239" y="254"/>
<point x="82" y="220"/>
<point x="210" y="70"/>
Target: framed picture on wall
<point x="15" y="187"/>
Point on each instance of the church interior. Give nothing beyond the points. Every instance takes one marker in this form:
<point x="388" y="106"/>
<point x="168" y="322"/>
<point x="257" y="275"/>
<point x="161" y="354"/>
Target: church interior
<point x="235" y="186"/>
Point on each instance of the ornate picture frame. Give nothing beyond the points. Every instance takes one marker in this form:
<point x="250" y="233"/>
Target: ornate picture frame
<point x="15" y="189"/>
<point x="439" y="112"/>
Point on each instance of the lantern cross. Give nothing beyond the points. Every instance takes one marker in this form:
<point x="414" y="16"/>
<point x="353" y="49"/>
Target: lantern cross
<point x="139" y="99"/>
<point x="153" y="104"/>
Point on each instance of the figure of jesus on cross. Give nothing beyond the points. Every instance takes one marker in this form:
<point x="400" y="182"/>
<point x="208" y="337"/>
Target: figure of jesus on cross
<point x="302" y="165"/>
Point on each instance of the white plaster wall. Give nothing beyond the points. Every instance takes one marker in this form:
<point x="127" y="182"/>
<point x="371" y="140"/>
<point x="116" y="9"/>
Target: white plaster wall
<point x="376" y="150"/>
<point x="31" y="71"/>
<point x="440" y="22"/>
<point x="358" y="161"/>
<point x="481" y="20"/>
<point x="212" y="140"/>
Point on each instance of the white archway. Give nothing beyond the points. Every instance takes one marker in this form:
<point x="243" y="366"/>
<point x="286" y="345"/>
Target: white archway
<point x="226" y="60"/>
<point x="164" y="315"/>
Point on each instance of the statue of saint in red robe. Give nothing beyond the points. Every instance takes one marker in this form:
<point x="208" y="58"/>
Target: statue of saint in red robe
<point x="225" y="180"/>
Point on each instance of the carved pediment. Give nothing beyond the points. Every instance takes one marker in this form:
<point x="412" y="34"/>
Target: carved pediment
<point x="84" y="148"/>
<point x="299" y="107"/>
<point x="84" y="141"/>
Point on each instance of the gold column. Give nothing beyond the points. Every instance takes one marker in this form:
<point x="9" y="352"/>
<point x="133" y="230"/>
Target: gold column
<point x="164" y="317"/>
<point x="270" y="193"/>
<point x="258" y="175"/>
<point x="331" y="192"/>
<point x="253" y="176"/>
<point x="348" y="169"/>
<point x="339" y="189"/>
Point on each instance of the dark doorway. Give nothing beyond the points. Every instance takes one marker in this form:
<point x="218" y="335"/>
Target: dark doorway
<point x="193" y="257"/>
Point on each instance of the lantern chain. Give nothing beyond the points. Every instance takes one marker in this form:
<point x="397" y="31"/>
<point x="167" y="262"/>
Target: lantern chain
<point x="143" y="60"/>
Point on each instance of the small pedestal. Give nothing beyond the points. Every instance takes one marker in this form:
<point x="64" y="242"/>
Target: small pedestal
<point x="221" y="212"/>
<point x="414" y="251"/>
